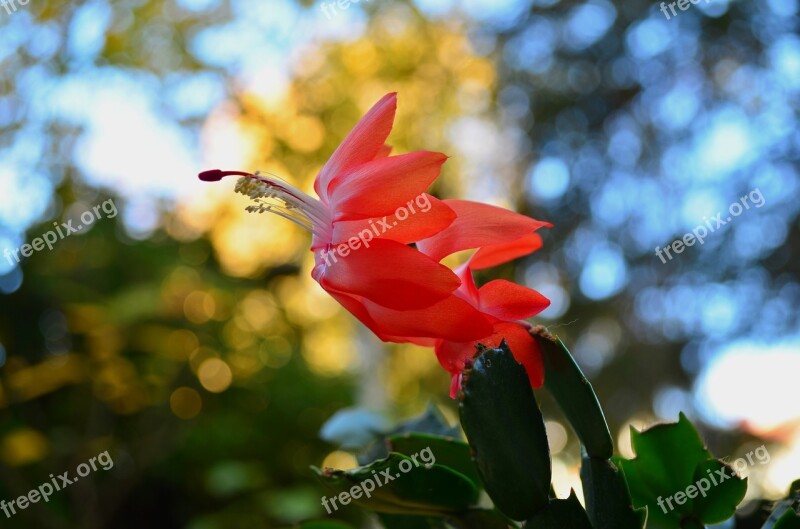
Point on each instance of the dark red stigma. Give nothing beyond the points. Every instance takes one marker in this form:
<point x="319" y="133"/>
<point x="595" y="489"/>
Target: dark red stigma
<point x="215" y="175"/>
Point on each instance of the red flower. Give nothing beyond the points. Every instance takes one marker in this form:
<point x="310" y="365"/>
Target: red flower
<point x="367" y="198"/>
<point x="403" y="294"/>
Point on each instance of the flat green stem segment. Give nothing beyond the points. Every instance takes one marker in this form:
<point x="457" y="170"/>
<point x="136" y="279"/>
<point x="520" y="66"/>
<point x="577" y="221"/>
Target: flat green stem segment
<point x="506" y="433"/>
<point x="574" y="395"/>
<point x="561" y="514"/>
<point x="608" y="502"/>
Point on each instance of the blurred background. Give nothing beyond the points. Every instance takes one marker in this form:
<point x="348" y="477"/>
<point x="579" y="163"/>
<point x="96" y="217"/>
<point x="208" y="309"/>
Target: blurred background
<point x="186" y="336"/>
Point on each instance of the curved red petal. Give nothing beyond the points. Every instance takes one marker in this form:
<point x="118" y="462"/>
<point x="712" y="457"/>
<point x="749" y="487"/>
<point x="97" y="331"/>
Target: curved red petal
<point x="388" y="273"/>
<point x="478" y="225"/>
<point x="489" y="256"/>
<point x="508" y="301"/>
<point x="453" y="356"/>
<point x="364" y="143"/>
<point x="450" y="319"/>
<point x="429" y="217"/>
<point x="355" y="306"/>
<point x="383" y="185"/>
<point x="468" y="289"/>
<point x="424" y="342"/>
<point x="525" y="349"/>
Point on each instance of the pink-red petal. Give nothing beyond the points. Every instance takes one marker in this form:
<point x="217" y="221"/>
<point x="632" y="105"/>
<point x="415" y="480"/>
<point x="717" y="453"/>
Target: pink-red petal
<point x="383" y="185"/>
<point x="451" y="319"/>
<point x="430" y="216"/>
<point x="508" y="301"/>
<point x="454" y="355"/>
<point x="388" y="273"/>
<point x="525" y="349"/>
<point x="364" y="143"/>
<point x="478" y="225"/>
<point x="489" y="256"/>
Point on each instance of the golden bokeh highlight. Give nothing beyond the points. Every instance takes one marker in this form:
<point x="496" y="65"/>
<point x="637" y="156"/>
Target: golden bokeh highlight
<point x="185" y="403"/>
<point x="257" y="310"/>
<point x="23" y="446"/>
<point x="340" y="460"/>
<point x="199" y="306"/>
<point x="215" y="375"/>
<point x="328" y="348"/>
<point x="200" y="355"/>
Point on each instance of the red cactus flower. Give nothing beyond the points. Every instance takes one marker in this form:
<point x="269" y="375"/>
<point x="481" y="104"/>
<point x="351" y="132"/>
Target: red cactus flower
<point x="401" y="293"/>
<point x="362" y="222"/>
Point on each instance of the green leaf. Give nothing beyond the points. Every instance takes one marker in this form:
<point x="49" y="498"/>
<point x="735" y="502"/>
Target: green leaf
<point x="383" y="486"/>
<point x="672" y="476"/>
<point x="430" y="422"/>
<point x="401" y="521"/>
<point x="446" y="451"/>
<point x="670" y="453"/>
<point x="561" y="514"/>
<point x="483" y="519"/>
<point x="720" y="501"/>
<point x="472" y="519"/>
<point x="326" y="525"/>
<point x="608" y="502"/>
<point x="784" y="516"/>
<point x="789" y="520"/>
<point x="505" y="430"/>
<point x="574" y="395"/>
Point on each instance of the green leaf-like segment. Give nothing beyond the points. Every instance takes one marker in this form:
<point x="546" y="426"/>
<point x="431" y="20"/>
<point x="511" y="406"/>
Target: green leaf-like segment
<point x="506" y="433"/>
<point x="447" y="451"/>
<point x="608" y="502"/>
<point x="678" y="479"/>
<point x="574" y="395"/>
<point x="561" y="514"/>
<point x="434" y="491"/>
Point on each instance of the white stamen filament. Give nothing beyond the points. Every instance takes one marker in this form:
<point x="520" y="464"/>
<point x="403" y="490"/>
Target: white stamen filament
<point x="291" y="203"/>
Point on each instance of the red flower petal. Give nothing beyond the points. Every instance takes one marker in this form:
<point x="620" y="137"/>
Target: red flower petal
<point x="454" y="355"/>
<point x="424" y="342"/>
<point x="489" y="256"/>
<point x="451" y="319"/>
<point x="383" y="185"/>
<point x="388" y="273"/>
<point x="508" y="301"/>
<point x="478" y="225"/>
<point x="468" y="290"/>
<point x="355" y="306"/>
<point x="364" y="143"/>
<point x="385" y="151"/>
<point x="525" y="350"/>
<point x="421" y="224"/>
